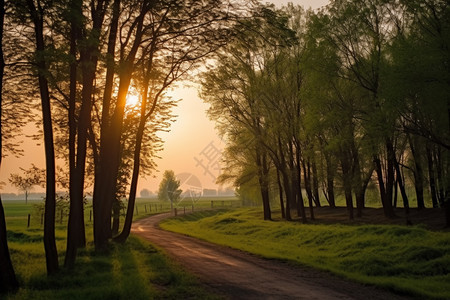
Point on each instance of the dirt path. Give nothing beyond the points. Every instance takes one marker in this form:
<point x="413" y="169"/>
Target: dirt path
<point x="238" y="275"/>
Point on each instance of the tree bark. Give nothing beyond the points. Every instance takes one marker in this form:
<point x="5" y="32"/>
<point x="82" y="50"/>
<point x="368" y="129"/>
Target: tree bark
<point x="8" y="280"/>
<point x="51" y="253"/>
<point x="263" y="172"/>
<point x="387" y="205"/>
<point x="330" y="181"/>
<point x="300" y="204"/>
<point x="431" y="177"/>
<point x="306" y="176"/>
<point x="280" y="192"/>
<point x="347" y="180"/>
<point x="418" y="171"/>
<point x="73" y="232"/>
<point x="315" y="182"/>
<point x="402" y="190"/>
<point x="286" y="182"/>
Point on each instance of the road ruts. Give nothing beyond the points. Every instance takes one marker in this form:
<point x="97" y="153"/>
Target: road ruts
<point x="237" y="275"/>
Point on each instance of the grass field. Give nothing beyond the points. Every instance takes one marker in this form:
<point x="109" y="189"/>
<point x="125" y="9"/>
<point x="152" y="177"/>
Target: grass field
<point x="409" y="260"/>
<point x="134" y="270"/>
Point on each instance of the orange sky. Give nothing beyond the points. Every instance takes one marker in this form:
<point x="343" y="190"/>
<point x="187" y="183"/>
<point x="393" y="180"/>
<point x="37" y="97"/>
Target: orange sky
<point x="191" y="135"/>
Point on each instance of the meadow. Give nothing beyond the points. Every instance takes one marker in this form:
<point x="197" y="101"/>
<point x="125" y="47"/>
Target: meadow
<point x="134" y="270"/>
<point x="408" y="260"/>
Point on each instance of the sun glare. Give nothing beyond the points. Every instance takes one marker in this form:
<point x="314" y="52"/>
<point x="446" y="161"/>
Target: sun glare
<point x="132" y="100"/>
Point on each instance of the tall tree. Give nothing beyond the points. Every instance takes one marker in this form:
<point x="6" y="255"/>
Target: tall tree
<point x="183" y="33"/>
<point x="37" y="12"/>
<point x="87" y="43"/>
<point x="8" y="281"/>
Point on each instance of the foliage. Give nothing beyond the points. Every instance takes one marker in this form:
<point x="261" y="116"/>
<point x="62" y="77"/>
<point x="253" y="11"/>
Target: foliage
<point x="169" y="187"/>
<point x="409" y="260"/>
<point x="351" y="95"/>
<point x="31" y="177"/>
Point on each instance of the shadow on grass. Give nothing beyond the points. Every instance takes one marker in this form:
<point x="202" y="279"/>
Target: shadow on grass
<point x="134" y="270"/>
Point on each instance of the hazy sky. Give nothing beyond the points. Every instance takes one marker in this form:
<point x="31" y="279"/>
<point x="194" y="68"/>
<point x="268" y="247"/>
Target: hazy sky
<point x="190" y="147"/>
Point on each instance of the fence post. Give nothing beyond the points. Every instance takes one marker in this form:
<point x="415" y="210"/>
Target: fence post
<point x="28" y="224"/>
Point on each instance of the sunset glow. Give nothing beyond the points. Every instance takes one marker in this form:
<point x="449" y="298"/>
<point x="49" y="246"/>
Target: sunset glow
<point x="132" y="99"/>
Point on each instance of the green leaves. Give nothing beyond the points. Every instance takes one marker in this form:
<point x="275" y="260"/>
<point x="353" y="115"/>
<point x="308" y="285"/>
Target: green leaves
<point x="169" y="187"/>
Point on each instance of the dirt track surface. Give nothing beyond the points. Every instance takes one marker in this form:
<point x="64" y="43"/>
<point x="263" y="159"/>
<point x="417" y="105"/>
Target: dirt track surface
<point x="238" y="275"/>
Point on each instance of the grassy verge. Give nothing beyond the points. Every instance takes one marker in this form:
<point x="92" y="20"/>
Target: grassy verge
<point x="409" y="260"/>
<point x="134" y="270"/>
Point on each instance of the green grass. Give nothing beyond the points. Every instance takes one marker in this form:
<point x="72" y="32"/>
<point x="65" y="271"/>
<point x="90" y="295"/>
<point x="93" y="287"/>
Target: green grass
<point x="409" y="260"/>
<point x="17" y="211"/>
<point x="134" y="270"/>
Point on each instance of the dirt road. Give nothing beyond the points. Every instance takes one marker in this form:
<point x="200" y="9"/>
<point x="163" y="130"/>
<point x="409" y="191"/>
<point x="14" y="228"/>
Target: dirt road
<point x="238" y="275"/>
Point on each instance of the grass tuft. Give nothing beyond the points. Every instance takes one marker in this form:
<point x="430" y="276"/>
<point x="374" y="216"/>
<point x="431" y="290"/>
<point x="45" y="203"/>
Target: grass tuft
<point x="133" y="270"/>
<point x="410" y="260"/>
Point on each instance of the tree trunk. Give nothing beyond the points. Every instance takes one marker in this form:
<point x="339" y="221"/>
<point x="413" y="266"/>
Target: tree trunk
<point x="289" y="194"/>
<point x="300" y="204"/>
<point x="315" y="184"/>
<point x="387" y="205"/>
<point x="395" y="193"/>
<point x="51" y="253"/>
<point x="306" y="176"/>
<point x="330" y="181"/>
<point x="418" y="171"/>
<point x="280" y="191"/>
<point x="358" y="181"/>
<point x="431" y="176"/>
<point x="116" y="218"/>
<point x="107" y="172"/>
<point x="263" y="171"/>
<point x="402" y="191"/>
<point x="75" y="234"/>
<point x="286" y="180"/>
<point x="347" y="181"/>
<point x="440" y="177"/>
<point x="390" y="176"/>
<point x="8" y="280"/>
<point x="136" y="163"/>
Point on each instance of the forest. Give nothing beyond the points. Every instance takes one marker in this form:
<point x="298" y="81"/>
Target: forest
<point x="312" y="104"/>
<point x="335" y="100"/>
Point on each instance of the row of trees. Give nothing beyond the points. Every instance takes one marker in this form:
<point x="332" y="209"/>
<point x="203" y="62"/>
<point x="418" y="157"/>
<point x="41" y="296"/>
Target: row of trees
<point x="333" y="100"/>
<point x="82" y="58"/>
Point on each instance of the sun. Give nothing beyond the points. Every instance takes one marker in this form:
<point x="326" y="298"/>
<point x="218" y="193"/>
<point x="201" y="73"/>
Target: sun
<point x="132" y="99"/>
